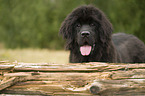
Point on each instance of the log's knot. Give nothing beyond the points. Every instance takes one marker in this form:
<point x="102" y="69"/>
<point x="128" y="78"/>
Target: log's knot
<point x="94" y="90"/>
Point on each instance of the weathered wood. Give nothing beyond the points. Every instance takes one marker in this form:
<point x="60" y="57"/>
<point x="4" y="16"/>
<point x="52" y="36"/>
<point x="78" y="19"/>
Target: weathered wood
<point x="83" y="79"/>
<point x="120" y="87"/>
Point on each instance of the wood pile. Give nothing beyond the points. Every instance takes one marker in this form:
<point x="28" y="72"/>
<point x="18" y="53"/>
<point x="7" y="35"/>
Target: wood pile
<point x="80" y="79"/>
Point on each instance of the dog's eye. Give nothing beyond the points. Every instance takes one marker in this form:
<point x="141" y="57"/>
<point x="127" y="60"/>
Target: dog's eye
<point x="92" y="24"/>
<point x="78" y="25"/>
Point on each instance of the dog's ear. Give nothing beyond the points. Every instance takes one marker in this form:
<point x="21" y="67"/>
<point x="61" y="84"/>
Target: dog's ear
<point x="105" y="29"/>
<point x="66" y="30"/>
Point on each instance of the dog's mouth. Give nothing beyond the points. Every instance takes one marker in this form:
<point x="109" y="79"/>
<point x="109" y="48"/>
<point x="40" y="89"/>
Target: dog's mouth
<point x="86" y="46"/>
<point x="85" y="50"/>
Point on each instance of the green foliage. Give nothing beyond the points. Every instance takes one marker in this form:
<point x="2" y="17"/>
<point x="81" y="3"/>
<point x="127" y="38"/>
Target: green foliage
<point x="36" y="23"/>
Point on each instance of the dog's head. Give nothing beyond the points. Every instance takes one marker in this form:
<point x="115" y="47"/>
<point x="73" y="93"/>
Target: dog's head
<point x="85" y="28"/>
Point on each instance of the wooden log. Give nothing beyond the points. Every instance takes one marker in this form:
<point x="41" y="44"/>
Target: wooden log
<point x="133" y="74"/>
<point x="119" y="87"/>
<point x="85" y="79"/>
<point x="9" y="81"/>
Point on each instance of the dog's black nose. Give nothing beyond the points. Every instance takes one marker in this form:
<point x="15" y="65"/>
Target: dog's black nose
<point x="85" y="33"/>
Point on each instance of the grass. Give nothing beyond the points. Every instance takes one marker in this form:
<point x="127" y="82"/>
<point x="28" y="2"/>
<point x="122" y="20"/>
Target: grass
<point x="35" y="55"/>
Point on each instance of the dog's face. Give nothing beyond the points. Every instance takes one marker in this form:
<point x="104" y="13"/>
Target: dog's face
<point x="86" y="28"/>
<point x="86" y="35"/>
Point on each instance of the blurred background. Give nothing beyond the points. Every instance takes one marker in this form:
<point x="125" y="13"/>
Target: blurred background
<point x="29" y="28"/>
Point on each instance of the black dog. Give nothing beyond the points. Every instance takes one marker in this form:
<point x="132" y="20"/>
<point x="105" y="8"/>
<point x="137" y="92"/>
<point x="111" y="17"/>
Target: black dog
<point x="89" y="38"/>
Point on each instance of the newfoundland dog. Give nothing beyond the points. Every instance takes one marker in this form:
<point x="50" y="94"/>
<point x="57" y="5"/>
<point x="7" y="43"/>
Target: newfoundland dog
<point x="89" y="38"/>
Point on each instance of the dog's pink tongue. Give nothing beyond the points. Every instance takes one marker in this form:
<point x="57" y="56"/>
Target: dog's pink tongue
<point x="85" y="50"/>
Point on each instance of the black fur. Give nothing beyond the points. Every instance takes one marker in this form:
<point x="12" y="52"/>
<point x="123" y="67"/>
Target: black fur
<point x="106" y="47"/>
